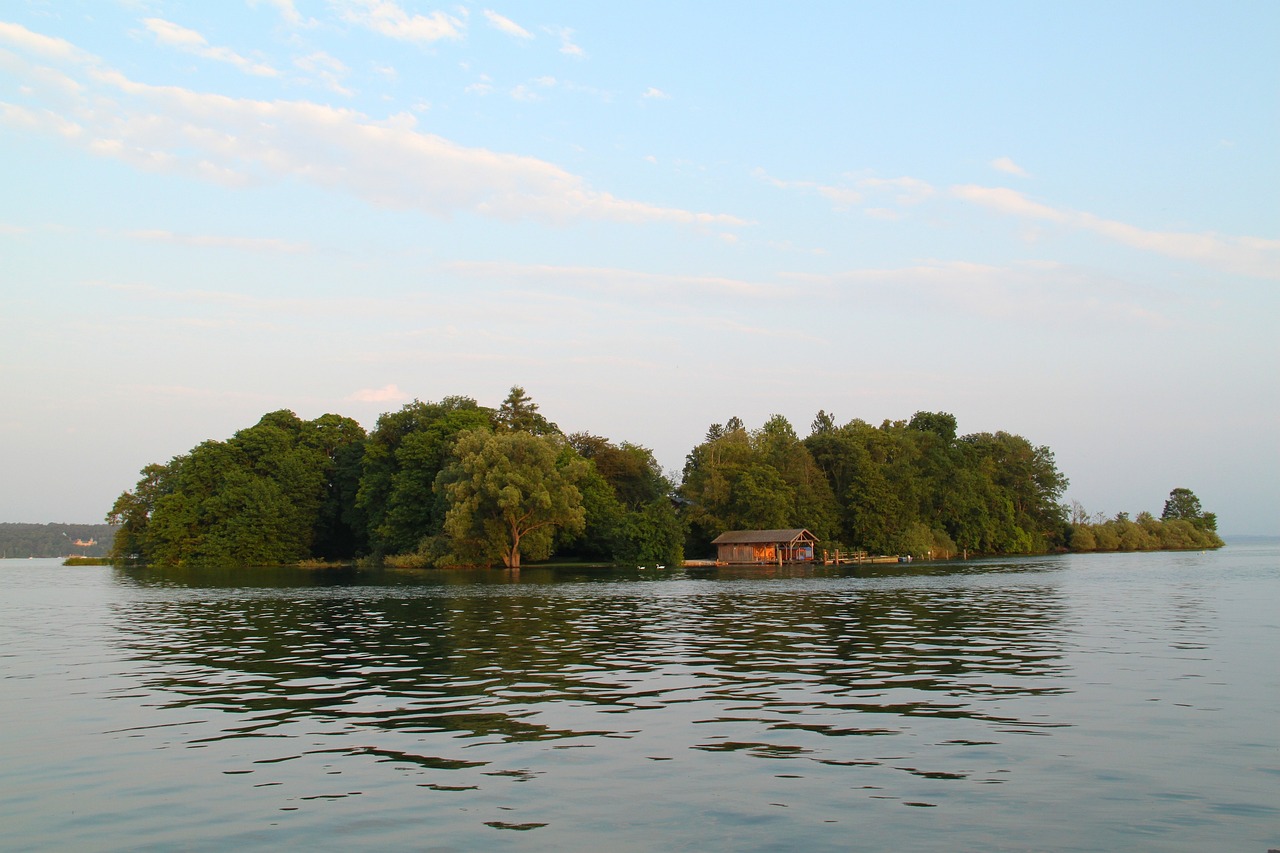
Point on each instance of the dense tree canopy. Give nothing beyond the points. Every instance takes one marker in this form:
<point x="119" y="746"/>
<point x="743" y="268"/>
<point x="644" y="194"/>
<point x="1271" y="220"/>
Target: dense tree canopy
<point x="402" y="457"/>
<point x="277" y="492"/>
<point x="456" y="483"/>
<point x="905" y="487"/>
<point x="737" y="480"/>
<point x="630" y="517"/>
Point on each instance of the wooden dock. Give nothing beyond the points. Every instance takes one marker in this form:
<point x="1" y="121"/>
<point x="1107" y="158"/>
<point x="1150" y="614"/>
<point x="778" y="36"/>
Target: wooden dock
<point x="847" y="558"/>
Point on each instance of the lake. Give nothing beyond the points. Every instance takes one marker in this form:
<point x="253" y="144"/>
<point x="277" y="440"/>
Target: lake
<point x="1085" y="702"/>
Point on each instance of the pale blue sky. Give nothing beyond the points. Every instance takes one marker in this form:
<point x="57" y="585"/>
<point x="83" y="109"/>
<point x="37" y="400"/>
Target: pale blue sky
<point x="1060" y="220"/>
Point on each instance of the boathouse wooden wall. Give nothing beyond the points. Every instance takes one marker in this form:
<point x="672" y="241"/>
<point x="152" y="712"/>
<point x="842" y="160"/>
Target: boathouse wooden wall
<point x="765" y="546"/>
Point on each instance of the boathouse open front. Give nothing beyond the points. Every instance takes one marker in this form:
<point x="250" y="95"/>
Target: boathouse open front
<point x="765" y="546"/>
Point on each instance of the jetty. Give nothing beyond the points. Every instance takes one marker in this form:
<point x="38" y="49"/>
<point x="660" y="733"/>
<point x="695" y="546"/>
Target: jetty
<point x="845" y="558"/>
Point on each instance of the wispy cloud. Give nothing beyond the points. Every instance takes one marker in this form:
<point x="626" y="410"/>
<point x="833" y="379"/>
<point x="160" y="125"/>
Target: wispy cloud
<point x="567" y="45"/>
<point x="903" y="192"/>
<point x="965" y="289"/>
<point x="390" y="19"/>
<point x="842" y="197"/>
<point x="610" y="279"/>
<point x="238" y="142"/>
<point x="906" y="191"/>
<point x="657" y="94"/>
<point x="483" y="86"/>
<point x="328" y="70"/>
<point x="288" y="12"/>
<point x="1253" y="256"/>
<point x="190" y="41"/>
<point x="212" y="241"/>
<point x="1006" y="165"/>
<point x="46" y="47"/>
<point x="531" y="91"/>
<point x="506" y="25"/>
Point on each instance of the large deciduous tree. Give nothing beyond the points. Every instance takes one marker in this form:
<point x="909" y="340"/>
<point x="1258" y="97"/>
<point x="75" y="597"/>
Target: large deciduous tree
<point x="508" y="494"/>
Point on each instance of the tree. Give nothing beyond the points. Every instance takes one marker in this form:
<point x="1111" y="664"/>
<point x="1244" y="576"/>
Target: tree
<point x="273" y="493"/>
<point x="813" y="504"/>
<point x="402" y="458"/>
<point x="941" y="424"/>
<point x="132" y="512"/>
<point x="519" y="413"/>
<point x="760" y="500"/>
<point x="630" y="518"/>
<point x="508" y="493"/>
<point x="341" y="532"/>
<point x="654" y="535"/>
<point x="1029" y="477"/>
<point x="823" y="423"/>
<point x="1184" y="504"/>
<point x="631" y="470"/>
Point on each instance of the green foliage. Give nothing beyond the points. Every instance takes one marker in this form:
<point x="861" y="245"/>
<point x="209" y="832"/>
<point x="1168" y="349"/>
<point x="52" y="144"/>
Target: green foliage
<point x="508" y="493"/>
<point x="629" y="514"/>
<point x="630" y="470"/>
<point x="518" y="413"/>
<point x="653" y="535"/>
<point x="456" y="483"/>
<point x="273" y="493"/>
<point x="760" y="480"/>
<point x="1182" y="526"/>
<point x="404" y="454"/>
<point x="941" y="424"/>
<point x="1184" y="504"/>
<point x="902" y="488"/>
<point x="982" y="493"/>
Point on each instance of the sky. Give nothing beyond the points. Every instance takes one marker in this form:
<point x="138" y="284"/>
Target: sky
<point x="1060" y="220"/>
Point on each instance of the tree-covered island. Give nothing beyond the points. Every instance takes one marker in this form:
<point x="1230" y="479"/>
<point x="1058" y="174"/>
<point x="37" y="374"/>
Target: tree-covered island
<point x="455" y="483"/>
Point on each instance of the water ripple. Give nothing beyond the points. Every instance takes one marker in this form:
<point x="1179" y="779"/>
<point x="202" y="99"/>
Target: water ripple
<point x="651" y="712"/>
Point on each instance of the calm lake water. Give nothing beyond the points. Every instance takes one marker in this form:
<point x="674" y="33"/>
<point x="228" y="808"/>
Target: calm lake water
<point x="1102" y="702"/>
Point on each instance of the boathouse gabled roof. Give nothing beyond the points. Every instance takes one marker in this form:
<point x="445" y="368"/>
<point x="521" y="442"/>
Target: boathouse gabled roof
<point x="757" y="537"/>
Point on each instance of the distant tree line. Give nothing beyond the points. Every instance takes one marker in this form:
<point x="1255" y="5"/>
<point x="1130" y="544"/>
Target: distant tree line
<point x="455" y="483"/>
<point x="55" y="540"/>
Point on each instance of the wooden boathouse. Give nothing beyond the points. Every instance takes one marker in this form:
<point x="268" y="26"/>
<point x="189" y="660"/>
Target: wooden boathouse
<point x="765" y="546"/>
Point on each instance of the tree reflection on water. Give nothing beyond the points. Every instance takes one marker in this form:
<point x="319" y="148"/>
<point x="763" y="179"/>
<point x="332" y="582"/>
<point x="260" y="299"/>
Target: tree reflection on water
<point x="496" y="656"/>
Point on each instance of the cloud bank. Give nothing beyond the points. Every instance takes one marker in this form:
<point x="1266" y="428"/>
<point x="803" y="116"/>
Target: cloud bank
<point x="241" y="142"/>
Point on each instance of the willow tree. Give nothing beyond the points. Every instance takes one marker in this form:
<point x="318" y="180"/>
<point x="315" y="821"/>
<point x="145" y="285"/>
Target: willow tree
<point x="508" y="494"/>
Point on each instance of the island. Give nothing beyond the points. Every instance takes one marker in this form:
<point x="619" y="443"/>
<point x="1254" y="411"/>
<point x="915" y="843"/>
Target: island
<point x="454" y="483"/>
